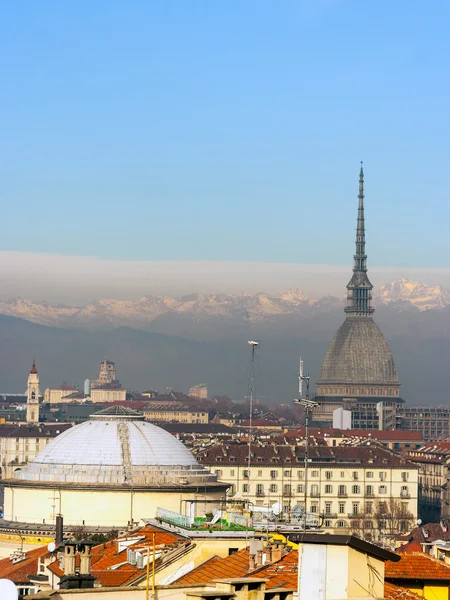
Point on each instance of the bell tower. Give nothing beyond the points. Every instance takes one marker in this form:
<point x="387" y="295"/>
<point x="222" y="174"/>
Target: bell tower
<point x="33" y="396"/>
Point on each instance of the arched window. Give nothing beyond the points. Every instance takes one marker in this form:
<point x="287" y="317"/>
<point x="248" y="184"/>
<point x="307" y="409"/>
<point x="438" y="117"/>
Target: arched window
<point x="33" y="395"/>
<point x="341" y="524"/>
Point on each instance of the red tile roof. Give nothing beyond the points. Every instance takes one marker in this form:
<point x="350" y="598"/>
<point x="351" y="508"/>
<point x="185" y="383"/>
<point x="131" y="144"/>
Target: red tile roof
<point x="105" y="557"/>
<point x="430" y="533"/>
<point x="393" y="592"/>
<point x="19" y="572"/>
<point x="417" y="566"/>
<point x="282" y="573"/>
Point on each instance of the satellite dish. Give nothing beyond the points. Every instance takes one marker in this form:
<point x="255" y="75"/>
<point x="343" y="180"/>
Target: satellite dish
<point x="276" y="508"/>
<point x="8" y="590"/>
<point x="419" y="521"/>
<point x="51" y="547"/>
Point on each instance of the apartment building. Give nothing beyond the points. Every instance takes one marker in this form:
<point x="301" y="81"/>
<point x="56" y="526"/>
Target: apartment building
<point x="20" y="443"/>
<point x="174" y="413"/>
<point x="348" y="487"/>
<point x="433" y="422"/>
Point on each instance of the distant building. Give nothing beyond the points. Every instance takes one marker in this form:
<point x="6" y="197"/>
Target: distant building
<point x="199" y="391"/>
<point x="20" y="443"/>
<point x="57" y="395"/>
<point x="174" y="412"/>
<point x="358" y="372"/>
<point x="433" y="422"/>
<point x="107" y="388"/>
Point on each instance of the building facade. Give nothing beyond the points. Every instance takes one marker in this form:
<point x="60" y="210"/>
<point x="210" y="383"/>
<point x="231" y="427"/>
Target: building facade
<point x="358" y="372"/>
<point x="174" y="413"/>
<point x="432" y="422"/>
<point x="348" y="488"/>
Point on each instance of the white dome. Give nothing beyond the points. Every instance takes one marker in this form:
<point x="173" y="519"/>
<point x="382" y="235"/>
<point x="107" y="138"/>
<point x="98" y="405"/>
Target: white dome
<point x="116" y="447"/>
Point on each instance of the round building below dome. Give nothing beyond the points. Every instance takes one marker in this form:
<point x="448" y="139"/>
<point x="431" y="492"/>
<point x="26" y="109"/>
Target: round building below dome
<point x="112" y="470"/>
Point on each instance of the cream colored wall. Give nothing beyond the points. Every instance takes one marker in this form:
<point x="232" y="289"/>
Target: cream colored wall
<point x="337" y="565"/>
<point x="100" y="395"/>
<point x="14" y="454"/>
<point x="317" y="476"/>
<point x="95" y="507"/>
<point x="55" y="395"/>
<point x="365" y="575"/>
<point x="176" y="416"/>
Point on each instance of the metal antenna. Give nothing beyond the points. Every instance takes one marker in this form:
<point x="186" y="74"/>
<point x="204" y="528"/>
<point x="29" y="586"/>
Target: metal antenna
<point x="254" y="345"/>
<point x="308" y="405"/>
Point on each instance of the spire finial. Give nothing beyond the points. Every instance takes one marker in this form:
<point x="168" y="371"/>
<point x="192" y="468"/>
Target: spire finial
<point x="358" y="290"/>
<point x="33" y="367"/>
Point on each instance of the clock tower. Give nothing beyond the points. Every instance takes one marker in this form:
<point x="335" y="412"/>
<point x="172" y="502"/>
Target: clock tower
<point x="33" y="396"/>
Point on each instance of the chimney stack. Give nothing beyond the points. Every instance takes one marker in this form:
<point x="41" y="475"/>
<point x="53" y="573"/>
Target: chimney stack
<point x="59" y="531"/>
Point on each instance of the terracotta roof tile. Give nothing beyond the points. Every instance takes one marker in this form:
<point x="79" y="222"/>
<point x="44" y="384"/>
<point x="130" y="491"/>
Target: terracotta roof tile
<point x="283" y="573"/>
<point x="417" y="566"/>
<point x="19" y="572"/>
<point x="393" y="592"/>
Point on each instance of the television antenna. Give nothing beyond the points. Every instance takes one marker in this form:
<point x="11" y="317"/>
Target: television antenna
<point x="309" y="406"/>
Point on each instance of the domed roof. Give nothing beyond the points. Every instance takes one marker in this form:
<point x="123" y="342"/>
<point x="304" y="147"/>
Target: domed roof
<point x="116" y="447"/>
<point x="358" y="354"/>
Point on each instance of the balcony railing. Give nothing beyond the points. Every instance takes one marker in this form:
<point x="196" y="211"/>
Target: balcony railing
<point x="329" y="515"/>
<point x="405" y="495"/>
<point x="354" y="515"/>
<point x="342" y="495"/>
<point x="315" y="495"/>
<point x="369" y="494"/>
<point x="260" y="494"/>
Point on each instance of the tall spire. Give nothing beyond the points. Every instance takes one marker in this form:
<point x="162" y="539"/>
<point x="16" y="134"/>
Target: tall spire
<point x="359" y="288"/>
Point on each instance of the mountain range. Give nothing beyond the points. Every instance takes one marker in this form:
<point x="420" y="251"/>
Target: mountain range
<point x="162" y="341"/>
<point x="142" y="313"/>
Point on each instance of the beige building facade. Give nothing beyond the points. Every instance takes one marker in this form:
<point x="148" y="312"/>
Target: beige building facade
<point x="347" y="488"/>
<point x="175" y="413"/>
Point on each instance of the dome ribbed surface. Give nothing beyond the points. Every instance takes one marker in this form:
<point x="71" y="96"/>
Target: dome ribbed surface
<point x="116" y="448"/>
<point x="358" y="354"/>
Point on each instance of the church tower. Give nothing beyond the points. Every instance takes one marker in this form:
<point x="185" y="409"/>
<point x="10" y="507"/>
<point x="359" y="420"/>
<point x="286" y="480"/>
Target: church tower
<point x="33" y="396"/>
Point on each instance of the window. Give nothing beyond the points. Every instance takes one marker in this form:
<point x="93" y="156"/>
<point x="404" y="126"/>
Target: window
<point x="355" y="508"/>
<point x="383" y="508"/>
<point x="218" y="472"/>
<point x="328" y="489"/>
<point x="328" y="474"/>
<point x="313" y="508"/>
<point x="246" y="473"/>
<point x="300" y="488"/>
<point x="369" y="490"/>
<point x="342" y="474"/>
<point x="327" y="523"/>
<point x="382" y="489"/>
<point x="260" y="489"/>
<point x="232" y="473"/>
<point x="314" y="490"/>
<point x="404" y="492"/>
<point x="301" y="474"/>
<point x="286" y="473"/>
<point x="382" y="476"/>
<point x="369" y="474"/>
<point x="355" y="489"/>
<point x="405" y="476"/>
<point x="273" y="488"/>
<point x="273" y="474"/>
<point x="328" y="508"/>
<point x="245" y="488"/>
<point x="259" y="473"/>
<point x="341" y="508"/>
<point x="286" y="490"/>
<point x="355" y="475"/>
<point x="342" y="490"/>
<point x="341" y="524"/>
<point x="314" y="473"/>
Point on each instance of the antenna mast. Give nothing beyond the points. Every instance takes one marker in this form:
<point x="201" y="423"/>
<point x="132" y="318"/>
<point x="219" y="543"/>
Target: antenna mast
<point x="254" y="345"/>
<point x="308" y="405"/>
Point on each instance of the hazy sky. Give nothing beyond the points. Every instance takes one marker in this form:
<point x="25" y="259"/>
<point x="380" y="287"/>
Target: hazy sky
<point x="225" y="131"/>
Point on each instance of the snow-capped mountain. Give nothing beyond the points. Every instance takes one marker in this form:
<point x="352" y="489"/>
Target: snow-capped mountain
<point x="420" y="295"/>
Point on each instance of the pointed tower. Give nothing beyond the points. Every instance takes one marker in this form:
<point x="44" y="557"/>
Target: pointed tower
<point x="33" y="396"/>
<point x="359" y="288"/>
<point x="358" y="372"/>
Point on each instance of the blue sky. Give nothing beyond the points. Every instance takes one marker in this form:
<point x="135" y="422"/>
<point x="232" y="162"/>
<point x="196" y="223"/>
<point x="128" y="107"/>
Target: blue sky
<point x="199" y="130"/>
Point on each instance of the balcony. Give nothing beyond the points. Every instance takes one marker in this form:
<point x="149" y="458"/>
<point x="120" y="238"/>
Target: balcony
<point x="260" y="494"/>
<point x="406" y="495"/>
<point x="315" y="494"/>
<point x="354" y="515"/>
<point x="329" y="515"/>
<point x="342" y="495"/>
<point x="369" y="495"/>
